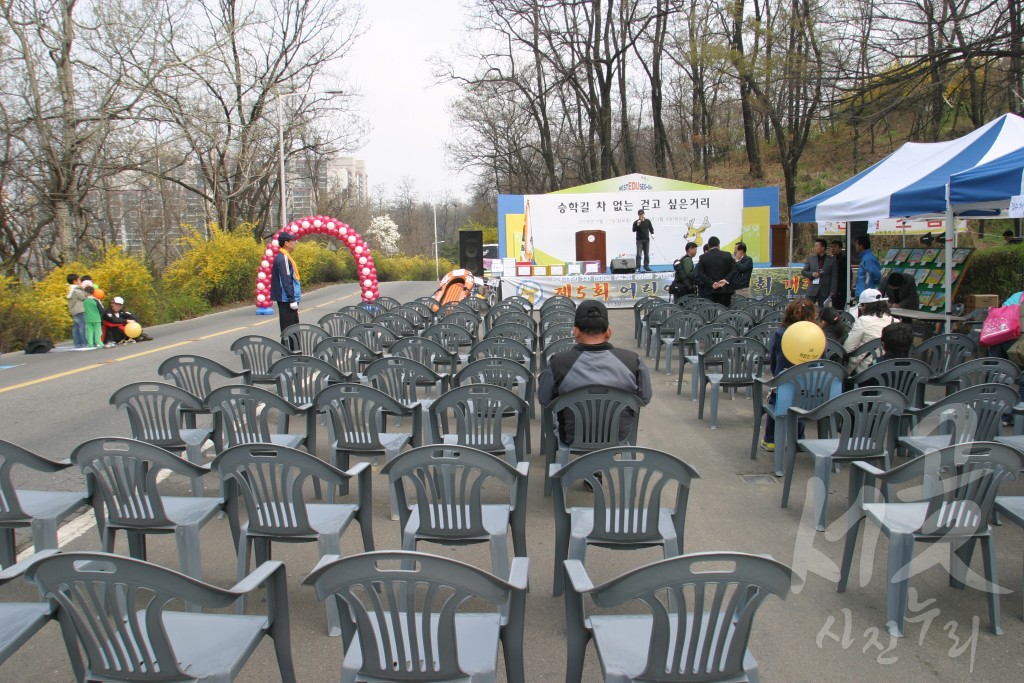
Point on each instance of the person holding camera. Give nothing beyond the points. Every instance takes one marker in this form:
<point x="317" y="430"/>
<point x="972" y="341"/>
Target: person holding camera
<point x="684" y="282"/>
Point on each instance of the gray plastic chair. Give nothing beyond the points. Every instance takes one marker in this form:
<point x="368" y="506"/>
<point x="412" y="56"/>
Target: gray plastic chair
<point x="424" y="310"/>
<point x="428" y="352"/>
<point x="861" y="424"/>
<point x="357" y="423"/>
<point x="302" y="338"/>
<point x="834" y="351"/>
<point x="555" y="347"/>
<point x="759" y="311"/>
<point x="414" y="315"/>
<point x="268" y="482"/>
<point x="763" y="333"/>
<point x="855" y="357"/>
<point x="407" y="381"/>
<point x="1012" y="507"/>
<point x="520" y="333"/>
<point x="556" y="302"/>
<point x="243" y="415"/>
<point x="375" y="337"/>
<point x="990" y="370"/>
<point x="503" y="347"/>
<point x="957" y="489"/>
<point x="257" y="354"/>
<point x="561" y="315"/>
<point x="729" y="364"/>
<point x="971" y="414"/>
<point x="361" y="314"/>
<point x="595" y="418"/>
<point x="477" y="415"/>
<point x="452" y="337"/>
<point x="441" y="493"/>
<point x="21" y="508"/>
<point x="337" y="324"/>
<point x="387" y="303"/>
<point x="508" y="317"/>
<point x="640" y="308"/>
<point x="299" y="380"/>
<point x="655" y="316"/>
<point x="741" y="320"/>
<point x="524" y="302"/>
<point x="113" y="612"/>
<point x="632" y="489"/>
<point x="157" y="414"/>
<point x="348" y="355"/>
<point x="698" y="342"/>
<point x="943" y="352"/>
<point x="672" y="331"/>
<point x="804" y="386"/>
<point x="423" y="598"/>
<point x="706" y="641"/>
<point x="122" y="479"/>
<point x="399" y="325"/>
<point x="555" y="333"/>
<point x="909" y="376"/>
<point x="466" y="319"/>
<point x="19" y="621"/>
<point x="195" y="374"/>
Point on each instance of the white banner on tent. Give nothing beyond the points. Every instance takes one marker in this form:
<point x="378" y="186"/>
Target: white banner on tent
<point x="893" y="226"/>
<point x="678" y="216"/>
<point x="1017" y="206"/>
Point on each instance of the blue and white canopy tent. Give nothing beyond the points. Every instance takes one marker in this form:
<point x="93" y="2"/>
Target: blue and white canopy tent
<point x="913" y="181"/>
<point x="985" y="191"/>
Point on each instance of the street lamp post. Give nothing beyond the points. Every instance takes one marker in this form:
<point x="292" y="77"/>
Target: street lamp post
<point x="437" y="263"/>
<point x="280" y="144"/>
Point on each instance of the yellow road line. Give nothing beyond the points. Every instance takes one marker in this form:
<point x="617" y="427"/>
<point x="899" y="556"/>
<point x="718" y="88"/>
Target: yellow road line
<point x="150" y="351"/>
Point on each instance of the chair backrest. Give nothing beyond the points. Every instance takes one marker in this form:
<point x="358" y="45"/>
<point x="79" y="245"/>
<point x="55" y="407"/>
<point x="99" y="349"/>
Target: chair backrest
<point x="737" y="360"/>
<point x="502" y="307"/>
<point x="681" y="325"/>
<point x="834" y="351"/>
<point x="347" y="355"/>
<point x="763" y="333"/>
<point x="301" y="378"/>
<point x="971" y="414"/>
<point x="521" y="333"/>
<point x="425" y="351"/>
<point x="990" y="370"/>
<point x="708" y="640"/>
<point x="356" y="413"/>
<point x="451" y="337"/>
<point x="563" y="315"/>
<point x="759" y="311"/>
<point x="808" y="385"/>
<point x="500" y="372"/>
<point x="259" y="353"/>
<point x="268" y="480"/>
<point x="401" y="378"/>
<point x="12" y="455"/>
<point x="631" y="484"/>
<point x="358" y="312"/>
<point x="505" y="317"/>
<point x="502" y="347"/>
<point x="598" y="417"/>
<point x="871" y="347"/>
<point x="388" y="303"/>
<point x="707" y="336"/>
<point x="943" y="352"/>
<point x="710" y="310"/>
<point x="155" y="410"/>
<point x="303" y="337"/>
<point x="556" y="332"/>
<point x="449" y="486"/>
<point x="337" y="324"/>
<point x="122" y="473"/>
<point x="425" y="310"/>
<point x="909" y="376"/>
<point x="112" y="608"/>
<point x="195" y="374"/>
<point x="398" y="324"/>
<point x="741" y="320"/>
<point x="383" y="594"/>
<point x="475" y="414"/>
<point x="242" y="414"/>
<point x="556" y="302"/>
<point x="522" y="301"/>
<point x="414" y="316"/>
<point x="468" y="320"/>
<point x="375" y="337"/>
<point x="864" y="420"/>
<point x="658" y="314"/>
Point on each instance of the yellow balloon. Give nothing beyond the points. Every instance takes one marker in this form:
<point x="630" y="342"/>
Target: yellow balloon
<point x="803" y="341"/>
<point x="132" y="329"/>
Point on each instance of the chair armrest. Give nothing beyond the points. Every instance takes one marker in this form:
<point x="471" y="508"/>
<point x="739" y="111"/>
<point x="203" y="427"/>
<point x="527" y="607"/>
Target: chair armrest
<point x="578" y="577"/>
<point x="357" y="469"/>
<point x="523" y="468"/>
<point x="869" y="468"/>
<point x="258" y="576"/>
<point x="554" y="471"/>
<point x="519" y="573"/>
<point x="245" y="376"/>
<point x="16" y="570"/>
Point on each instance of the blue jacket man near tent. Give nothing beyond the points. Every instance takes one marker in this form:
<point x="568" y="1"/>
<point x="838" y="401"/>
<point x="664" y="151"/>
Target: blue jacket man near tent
<point x="869" y="271"/>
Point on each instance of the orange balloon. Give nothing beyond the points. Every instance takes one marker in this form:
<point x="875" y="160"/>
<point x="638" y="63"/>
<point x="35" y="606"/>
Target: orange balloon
<point x="98" y="293"/>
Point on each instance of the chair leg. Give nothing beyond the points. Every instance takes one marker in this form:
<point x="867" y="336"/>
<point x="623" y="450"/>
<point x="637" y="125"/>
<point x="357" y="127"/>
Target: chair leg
<point x="758" y="416"/>
<point x="701" y="396"/>
<point x="849" y="547"/>
<point x="960" y="562"/>
<point x="137" y="545"/>
<point x="988" y="553"/>
<point x="330" y="544"/>
<point x="822" y="477"/>
<point x="187" y="539"/>
<point x="901" y="552"/>
<point x="8" y="555"/>
<point x="44" y="533"/>
<point x="716" y="392"/>
<point x="790" y="464"/>
<point x="693" y="381"/>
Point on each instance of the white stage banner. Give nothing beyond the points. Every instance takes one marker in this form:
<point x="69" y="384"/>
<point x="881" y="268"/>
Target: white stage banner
<point x="552" y="221"/>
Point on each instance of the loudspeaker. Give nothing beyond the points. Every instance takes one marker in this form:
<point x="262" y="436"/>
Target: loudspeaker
<point x="471" y="251"/>
<point x="624" y="265"/>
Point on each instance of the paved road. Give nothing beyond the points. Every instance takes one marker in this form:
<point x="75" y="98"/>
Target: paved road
<point x="54" y="401"/>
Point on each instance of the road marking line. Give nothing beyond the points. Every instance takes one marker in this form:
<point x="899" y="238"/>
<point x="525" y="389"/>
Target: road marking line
<point x="57" y="376"/>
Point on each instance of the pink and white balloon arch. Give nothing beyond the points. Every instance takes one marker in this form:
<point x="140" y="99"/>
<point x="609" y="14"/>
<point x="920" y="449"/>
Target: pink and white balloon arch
<point x="318" y="225"/>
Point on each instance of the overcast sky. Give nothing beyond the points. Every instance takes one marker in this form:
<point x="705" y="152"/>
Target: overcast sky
<point x="390" y="66"/>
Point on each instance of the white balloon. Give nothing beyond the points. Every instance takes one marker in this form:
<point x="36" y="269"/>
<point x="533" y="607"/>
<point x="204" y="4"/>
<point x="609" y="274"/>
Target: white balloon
<point x="342" y="230"/>
<point x="330" y="225"/>
<point x="260" y="286"/>
<point x="305" y="224"/>
<point x="317" y="223"/>
<point x="261" y="275"/>
<point x="366" y="271"/>
<point x="260" y="298"/>
<point x="264" y="263"/>
<point x="269" y="253"/>
<point x="351" y="239"/>
<point x="359" y="250"/>
<point x="362" y="260"/>
<point x="274" y="243"/>
<point x="367" y="295"/>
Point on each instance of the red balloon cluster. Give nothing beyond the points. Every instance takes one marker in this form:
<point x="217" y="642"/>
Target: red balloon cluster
<point x="322" y="225"/>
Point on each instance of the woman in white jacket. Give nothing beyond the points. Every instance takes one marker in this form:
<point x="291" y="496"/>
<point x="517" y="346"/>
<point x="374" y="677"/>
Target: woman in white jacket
<point x="873" y="316"/>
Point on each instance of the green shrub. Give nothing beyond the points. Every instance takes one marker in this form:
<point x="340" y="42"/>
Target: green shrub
<point x="220" y="270"/>
<point x="317" y="263"/>
<point x="999" y="270"/>
<point x="178" y="305"/>
<point x="416" y="268"/>
<point x="346" y="265"/>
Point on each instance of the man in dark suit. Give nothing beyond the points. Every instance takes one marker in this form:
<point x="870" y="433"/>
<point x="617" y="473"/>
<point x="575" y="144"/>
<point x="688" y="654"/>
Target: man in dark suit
<point x="839" y="301"/>
<point x="820" y="271"/>
<point x="716" y="273"/>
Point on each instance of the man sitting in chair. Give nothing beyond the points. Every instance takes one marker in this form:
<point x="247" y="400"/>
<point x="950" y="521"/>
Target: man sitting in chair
<point x="593" y="361"/>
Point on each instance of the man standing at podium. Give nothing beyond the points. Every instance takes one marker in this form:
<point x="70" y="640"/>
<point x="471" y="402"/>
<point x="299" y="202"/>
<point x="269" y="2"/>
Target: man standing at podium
<point x="643" y="229"/>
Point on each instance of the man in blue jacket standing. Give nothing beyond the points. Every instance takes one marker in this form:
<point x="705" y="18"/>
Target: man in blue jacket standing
<point x="869" y="270"/>
<point x="284" y="281"/>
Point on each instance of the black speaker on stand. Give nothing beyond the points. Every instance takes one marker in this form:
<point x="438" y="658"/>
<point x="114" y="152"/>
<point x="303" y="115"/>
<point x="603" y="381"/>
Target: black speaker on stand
<point x="471" y="251"/>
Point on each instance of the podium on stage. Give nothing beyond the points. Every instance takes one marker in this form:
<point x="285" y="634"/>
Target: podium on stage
<point x="590" y="246"/>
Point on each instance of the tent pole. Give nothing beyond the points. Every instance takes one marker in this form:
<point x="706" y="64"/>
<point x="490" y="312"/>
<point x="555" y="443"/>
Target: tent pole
<point x="950" y="231"/>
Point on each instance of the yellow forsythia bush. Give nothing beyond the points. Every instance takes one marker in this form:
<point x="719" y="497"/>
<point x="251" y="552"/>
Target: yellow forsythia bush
<point x="219" y="270"/>
<point x="24" y="315"/>
<point x="317" y="263"/>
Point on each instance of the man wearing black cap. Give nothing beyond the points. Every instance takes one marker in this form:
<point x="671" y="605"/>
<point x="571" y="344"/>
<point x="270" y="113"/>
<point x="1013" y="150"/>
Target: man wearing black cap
<point x="593" y="361"/>
<point x="643" y="229"/>
<point x="284" y="281"/>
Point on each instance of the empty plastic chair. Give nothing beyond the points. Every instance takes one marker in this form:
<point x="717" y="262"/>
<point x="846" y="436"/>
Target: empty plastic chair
<point x="481" y="416"/>
<point x="244" y="415"/>
<point x="376" y="337"/>
<point x="943" y="352"/>
<point x="428" y="352"/>
<point x="729" y="364"/>
<point x="399" y="325"/>
<point x="195" y="374"/>
<point x="380" y="595"/>
<point x="909" y="376"/>
<point x="348" y="355"/>
<point x="706" y="640"/>
<point x="302" y="338"/>
<point x="971" y="414"/>
<point x="113" y="612"/>
<point x="503" y="347"/>
<point x="640" y="497"/>
<point x="19" y="621"/>
<point x="337" y="324"/>
<point x="122" y="479"/>
<point x="258" y="354"/>
<point x="21" y="508"/>
<point x="991" y="370"/>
